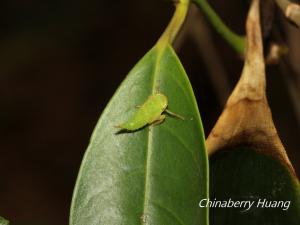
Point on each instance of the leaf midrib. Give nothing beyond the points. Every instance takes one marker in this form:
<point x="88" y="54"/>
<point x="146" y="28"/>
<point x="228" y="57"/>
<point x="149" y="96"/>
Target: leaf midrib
<point x="150" y="136"/>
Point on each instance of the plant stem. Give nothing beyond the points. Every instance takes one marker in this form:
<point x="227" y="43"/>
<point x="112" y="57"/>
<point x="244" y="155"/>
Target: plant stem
<point x="236" y="41"/>
<point x="291" y="10"/>
<point x="175" y="24"/>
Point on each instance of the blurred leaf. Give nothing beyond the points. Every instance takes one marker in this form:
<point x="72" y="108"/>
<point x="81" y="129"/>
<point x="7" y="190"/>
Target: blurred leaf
<point x="3" y="221"/>
<point x="241" y="174"/>
<point x="156" y="175"/>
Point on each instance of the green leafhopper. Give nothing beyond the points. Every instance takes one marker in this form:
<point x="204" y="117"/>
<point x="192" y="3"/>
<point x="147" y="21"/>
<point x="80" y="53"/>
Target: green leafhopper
<point x="149" y="113"/>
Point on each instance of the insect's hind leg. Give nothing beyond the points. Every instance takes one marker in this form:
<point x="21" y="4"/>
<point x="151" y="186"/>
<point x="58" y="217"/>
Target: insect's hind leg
<point x="174" y="114"/>
<point x="158" y="120"/>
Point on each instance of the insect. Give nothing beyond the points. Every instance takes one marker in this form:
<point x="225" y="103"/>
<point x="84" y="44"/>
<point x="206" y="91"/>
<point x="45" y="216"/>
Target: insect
<point x="149" y="113"/>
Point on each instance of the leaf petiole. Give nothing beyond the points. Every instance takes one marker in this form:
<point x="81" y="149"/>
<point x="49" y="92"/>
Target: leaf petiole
<point x="175" y="24"/>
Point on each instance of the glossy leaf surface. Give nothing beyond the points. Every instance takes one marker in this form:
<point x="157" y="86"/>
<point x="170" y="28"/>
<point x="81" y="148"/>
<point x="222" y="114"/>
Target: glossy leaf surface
<point x="156" y="175"/>
<point x="241" y="174"/>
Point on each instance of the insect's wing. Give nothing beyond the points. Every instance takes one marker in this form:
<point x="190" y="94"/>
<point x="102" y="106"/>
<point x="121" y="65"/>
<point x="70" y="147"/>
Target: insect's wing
<point x="137" y="121"/>
<point x="150" y="111"/>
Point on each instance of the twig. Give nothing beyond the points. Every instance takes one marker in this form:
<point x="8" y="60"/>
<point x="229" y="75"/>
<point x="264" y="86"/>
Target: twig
<point x="235" y="40"/>
<point x="291" y="11"/>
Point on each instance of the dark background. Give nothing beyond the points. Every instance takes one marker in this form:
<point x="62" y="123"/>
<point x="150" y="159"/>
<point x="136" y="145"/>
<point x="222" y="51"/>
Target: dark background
<point x="61" y="61"/>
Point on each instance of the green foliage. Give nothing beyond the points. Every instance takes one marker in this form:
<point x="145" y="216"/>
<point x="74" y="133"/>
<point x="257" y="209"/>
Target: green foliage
<point x="156" y="175"/>
<point x="243" y="174"/>
<point x="3" y="221"/>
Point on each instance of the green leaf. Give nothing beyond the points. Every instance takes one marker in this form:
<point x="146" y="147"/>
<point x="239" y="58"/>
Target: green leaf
<point x="243" y="174"/>
<point x="3" y="221"/>
<point x="156" y="175"/>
